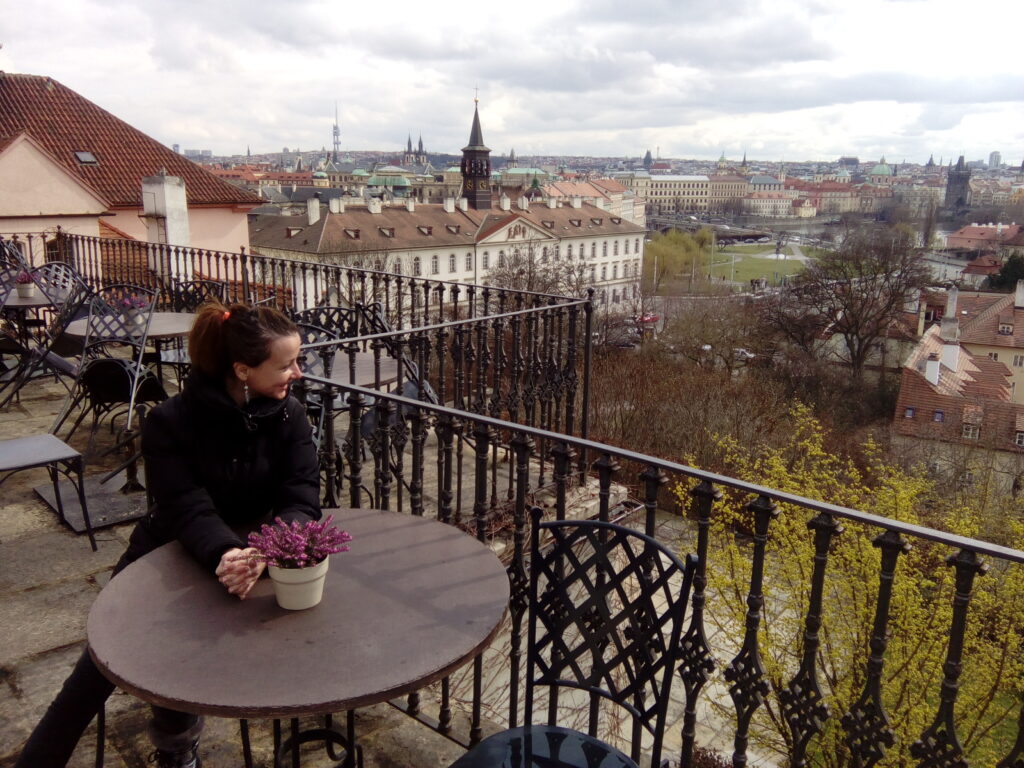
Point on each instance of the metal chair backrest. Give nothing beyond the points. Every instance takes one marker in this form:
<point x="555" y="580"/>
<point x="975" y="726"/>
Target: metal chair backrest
<point x="11" y="255"/>
<point x="189" y="295"/>
<point x="606" y="612"/>
<point x="316" y="362"/>
<point x="120" y="313"/>
<point x="343" y="321"/>
<point x="57" y="281"/>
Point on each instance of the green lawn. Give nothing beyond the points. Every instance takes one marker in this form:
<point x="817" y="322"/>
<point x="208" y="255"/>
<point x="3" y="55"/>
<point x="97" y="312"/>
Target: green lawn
<point x="750" y="267"/>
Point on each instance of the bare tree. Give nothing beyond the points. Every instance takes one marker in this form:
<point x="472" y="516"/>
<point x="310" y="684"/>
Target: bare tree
<point x="855" y="292"/>
<point x="536" y="265"/>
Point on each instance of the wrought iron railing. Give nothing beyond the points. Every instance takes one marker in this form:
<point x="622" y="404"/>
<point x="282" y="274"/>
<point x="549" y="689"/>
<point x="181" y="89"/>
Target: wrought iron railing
<point x="484" y="470"/>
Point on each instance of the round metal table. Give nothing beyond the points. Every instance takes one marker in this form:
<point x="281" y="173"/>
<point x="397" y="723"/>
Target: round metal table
<point x="411" y="602"/>
<point x="164" y="325"/>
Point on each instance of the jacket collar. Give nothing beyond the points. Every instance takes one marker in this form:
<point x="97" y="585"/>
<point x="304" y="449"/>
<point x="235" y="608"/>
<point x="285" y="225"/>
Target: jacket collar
<point x="211" y="395"/>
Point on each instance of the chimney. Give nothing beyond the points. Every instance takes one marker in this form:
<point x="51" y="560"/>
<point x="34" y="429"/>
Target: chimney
<point x="504" y="203"/>
<point x="552" y="202"/>
<point x="312" y="210"/>
<point x="524" y="204"/>
<point x="449" y="205"/>
<point x="949" y="332"/>
<point x="931" y="369"/>
<point x="1018" y="297"/>
<point x="577" y="201"/>
<point x="334" y="205"/>
<point x="373" y="205"/>
<point x="463" y="204"/>
<point x="165" y="210"/>
<point x="410" y="205"/>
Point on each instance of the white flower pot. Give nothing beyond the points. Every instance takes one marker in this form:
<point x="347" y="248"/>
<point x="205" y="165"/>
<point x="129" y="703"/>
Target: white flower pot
<point x="26" y="290"/>
<point x="299" y="588"/>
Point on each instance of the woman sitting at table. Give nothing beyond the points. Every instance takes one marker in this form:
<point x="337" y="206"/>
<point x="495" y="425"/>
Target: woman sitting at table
<point x="229" y="452"/>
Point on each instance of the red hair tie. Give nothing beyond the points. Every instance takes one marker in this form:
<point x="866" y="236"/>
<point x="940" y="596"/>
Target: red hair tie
<point x="227" y="314"/>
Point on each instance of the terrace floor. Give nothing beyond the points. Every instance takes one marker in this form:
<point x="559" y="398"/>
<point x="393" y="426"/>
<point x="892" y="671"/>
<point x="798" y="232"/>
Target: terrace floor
<point x="49" y="578"/>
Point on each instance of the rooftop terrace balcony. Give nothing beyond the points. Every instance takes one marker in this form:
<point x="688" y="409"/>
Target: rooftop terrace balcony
<point x="496" y="422"/>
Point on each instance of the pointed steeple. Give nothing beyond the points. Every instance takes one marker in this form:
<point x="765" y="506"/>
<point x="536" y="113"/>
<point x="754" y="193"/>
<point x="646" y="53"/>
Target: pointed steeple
<point x="408" y="146"/>
<point x="476" y="135"/>
<point x="420" y="148"/>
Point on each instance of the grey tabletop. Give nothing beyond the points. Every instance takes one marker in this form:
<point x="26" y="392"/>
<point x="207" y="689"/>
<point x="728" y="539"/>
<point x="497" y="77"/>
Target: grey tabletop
<point x="164" y="325"/>
<point x="413" y="600"/>
<point x="365" y="369"/>
<point x="38" y="301"/>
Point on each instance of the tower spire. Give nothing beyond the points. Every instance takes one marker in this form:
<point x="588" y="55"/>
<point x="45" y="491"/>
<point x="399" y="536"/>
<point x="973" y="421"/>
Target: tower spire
<point x="476" y="166"/>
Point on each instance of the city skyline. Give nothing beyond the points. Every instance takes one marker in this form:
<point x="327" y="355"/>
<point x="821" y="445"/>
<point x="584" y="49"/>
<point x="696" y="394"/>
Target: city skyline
<point x="787" y="81"/>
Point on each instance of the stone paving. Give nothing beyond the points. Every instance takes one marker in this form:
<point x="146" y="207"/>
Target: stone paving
<point x="49" y="578"/>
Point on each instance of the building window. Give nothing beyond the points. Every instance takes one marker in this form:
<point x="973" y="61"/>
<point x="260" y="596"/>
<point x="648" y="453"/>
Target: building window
<point x="544" y="255"/>
<point x="416" y="267"/>
<point x="568" y="250"/>
<point x="469" y="262"/>
<point x="625" y="247"/>
<point x="908" y="413"/>
<point x="971" y="431"/>
<point x="604" y="272"/>
<point x="501" y="259"/>
<point x="615" y="248"/>
<point x="993" y="356"/>
<point x="485" y="262"/>
<point x="615" y="296"/>
<point x="593" y="250"/>
<point x="604" y="248"/>
<point x="451" y="263"/>
<point x="593" y="274"/>
<point x="1018" y="361"/>
<point x="615" y="271"/>
<point x="1018" y="439"/>
<point x="939" y="416"/>
<point x="435" y="264"/>
<point x="636" y="244"/>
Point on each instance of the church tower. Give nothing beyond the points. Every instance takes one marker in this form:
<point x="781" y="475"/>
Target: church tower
<point x="958" y="186"/>
<point x="476" y="166"/>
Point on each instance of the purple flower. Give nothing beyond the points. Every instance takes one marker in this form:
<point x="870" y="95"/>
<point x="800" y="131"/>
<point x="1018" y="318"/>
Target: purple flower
<point x="23" y="278"/>
<point x="296" y="545"/>
<point x="134" y="302"/>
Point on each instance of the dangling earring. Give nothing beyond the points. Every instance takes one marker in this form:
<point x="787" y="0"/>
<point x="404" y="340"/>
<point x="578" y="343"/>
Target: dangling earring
<point x="245" y="389"/>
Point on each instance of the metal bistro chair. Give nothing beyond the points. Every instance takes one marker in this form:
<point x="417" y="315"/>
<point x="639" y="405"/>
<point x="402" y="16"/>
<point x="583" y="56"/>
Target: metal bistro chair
<point x="109" y="383"/>
<point x="606" y="611"/>
<point x="341" y="321"/>
<point x="186" y="296"/>
<point x="51" y="348"/>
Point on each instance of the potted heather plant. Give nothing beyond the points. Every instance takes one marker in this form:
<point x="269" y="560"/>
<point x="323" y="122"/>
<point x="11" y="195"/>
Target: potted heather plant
<point x="26" y="286"/>
<point x="133" y="309"/>
<point x="297" y="555"/>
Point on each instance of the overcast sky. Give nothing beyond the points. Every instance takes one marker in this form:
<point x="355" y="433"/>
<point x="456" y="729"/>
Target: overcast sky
<point x="779" y="79"/>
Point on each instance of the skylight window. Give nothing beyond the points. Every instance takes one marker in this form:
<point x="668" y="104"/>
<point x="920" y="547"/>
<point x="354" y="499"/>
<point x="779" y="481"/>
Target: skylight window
<point x="86" y="158"/>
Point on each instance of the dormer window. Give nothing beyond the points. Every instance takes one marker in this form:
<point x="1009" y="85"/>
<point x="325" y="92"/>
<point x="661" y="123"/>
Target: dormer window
<point x="616" y="220"/>
<point x="453" y="228"/>
<point x="387" y="231"/>
<point x="548" y="224"/>
<point x="1005" y="329"/>
<point x="352" y="233"/>
<point x="423" y="229"/>
<point x="597" y="221"/>
<point x="293" y="231"/>
<point x="576" y="222"/>
<point x="86" y="158"/>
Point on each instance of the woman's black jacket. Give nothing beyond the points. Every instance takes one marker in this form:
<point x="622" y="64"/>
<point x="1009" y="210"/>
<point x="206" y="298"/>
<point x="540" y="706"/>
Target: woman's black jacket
<point x="213" y="467"/>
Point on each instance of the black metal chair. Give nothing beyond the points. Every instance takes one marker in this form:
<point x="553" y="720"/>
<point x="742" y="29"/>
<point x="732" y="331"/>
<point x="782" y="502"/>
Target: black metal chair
<point x="344" y="322"/>
<point x="606" y="611"/>
<point x="186" y="296"/>
<point x="112" y="378"/>
<point x="50" y="350"/>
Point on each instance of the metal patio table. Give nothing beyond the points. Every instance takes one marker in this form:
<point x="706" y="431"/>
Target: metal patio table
<point x="413" y="600"/>
<point x="163" y="327"/>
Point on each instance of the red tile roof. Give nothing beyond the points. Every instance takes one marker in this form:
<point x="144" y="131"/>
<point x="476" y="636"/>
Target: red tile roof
<point x="63" y="122"/>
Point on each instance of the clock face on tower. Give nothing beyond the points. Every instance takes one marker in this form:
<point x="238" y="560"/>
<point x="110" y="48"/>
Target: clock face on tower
<point x="469" y="184"/>
<point x="484" y="186"/>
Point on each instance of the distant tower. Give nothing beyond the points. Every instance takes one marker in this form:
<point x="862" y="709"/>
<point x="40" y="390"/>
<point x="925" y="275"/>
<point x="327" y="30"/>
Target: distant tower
<point x="995" y="160"/>
<point x="336" y="135"/>
<point x="743" y="165"/>
<point x="248" y="152"/>
<point x="476" y="166"/>
<point x="419" y="148"/>
<point x="512" y="161"/>
<point x="648" y="160"/>
<point x="931" y="162"/>
<point x="958" y="185"/>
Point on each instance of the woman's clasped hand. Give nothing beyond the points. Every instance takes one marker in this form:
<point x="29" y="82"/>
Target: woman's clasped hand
<point x="239" y="570"/>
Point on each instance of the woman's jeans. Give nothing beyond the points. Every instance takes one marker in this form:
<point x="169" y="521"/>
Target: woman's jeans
<point x="85" y="692"/>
